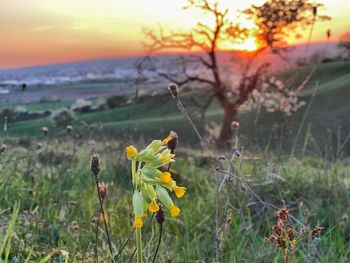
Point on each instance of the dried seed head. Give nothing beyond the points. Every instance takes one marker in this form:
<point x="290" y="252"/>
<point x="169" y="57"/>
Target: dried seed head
<point x="103" y="190"/>
<point x="281" y="242"/>
<point x="45" y="130"/>
<point x="69" y="128"/>
<point x="328" y="33"/>
<point x="291" y="233"/>
<point x="95" y="164"/>
<point x="272" y="239"/>
<point x="228" y="220"/>
<point x="314" y="10"/>
<point x="283" y="214"/>
<point x="160" y="215"/>
<point x="317" y="231"/>
<point x="235" y="126"/>
<point x="172" y="143"/>
<point x="3" y="148"/>
<point x="277" y="228"/>
<point x="174" y="90"/>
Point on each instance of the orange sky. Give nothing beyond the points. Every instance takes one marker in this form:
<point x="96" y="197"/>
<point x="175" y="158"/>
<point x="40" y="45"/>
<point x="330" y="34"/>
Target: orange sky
<point x="36" y="32"/>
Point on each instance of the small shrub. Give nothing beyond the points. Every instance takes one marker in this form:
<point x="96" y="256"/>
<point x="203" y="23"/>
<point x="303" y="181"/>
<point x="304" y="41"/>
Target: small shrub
<point x="116" y="101"/>
<point x="9" y="113"/>
<point x="82" y="105"/>
<point x="63" y="117"/>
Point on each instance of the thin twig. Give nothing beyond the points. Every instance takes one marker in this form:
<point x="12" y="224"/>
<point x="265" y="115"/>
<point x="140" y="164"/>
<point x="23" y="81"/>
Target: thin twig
<point x="104" y="217"/>
<point x="159" y="240"/>
<point x="184" y="111"/>
<point x="124" y="245"/>
<point x="304" y="118"/>
<point x="96" y="238"/>
<point x="217" y="227"/>
<point x="247" y="187"/>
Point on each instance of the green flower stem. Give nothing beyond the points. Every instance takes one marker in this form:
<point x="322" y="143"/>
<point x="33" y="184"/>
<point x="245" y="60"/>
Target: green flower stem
<point x="133" y="171"/>
<point x="139" y="245"/>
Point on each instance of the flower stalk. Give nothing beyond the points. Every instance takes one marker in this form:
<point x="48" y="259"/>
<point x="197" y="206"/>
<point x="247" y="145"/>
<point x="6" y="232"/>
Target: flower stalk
<point x="95" y="167"/>
<point x="139" y="245"/>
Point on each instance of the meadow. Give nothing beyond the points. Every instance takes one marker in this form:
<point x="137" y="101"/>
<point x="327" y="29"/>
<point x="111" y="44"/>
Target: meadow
<point x="49" y="206"/>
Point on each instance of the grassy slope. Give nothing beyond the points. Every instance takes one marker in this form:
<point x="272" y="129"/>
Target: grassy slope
<point x="154" y="115"/>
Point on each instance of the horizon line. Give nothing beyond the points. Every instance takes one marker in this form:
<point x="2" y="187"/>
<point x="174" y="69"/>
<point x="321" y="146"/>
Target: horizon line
<point x="58" y="63"/>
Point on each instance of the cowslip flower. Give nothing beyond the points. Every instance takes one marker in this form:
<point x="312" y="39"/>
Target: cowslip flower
<point x="165" y="177"/>
<point x="131" y="152"/>
<point x="153" y="206"/>
<point x="179" y="191"/>
<point x="151" y="185"/>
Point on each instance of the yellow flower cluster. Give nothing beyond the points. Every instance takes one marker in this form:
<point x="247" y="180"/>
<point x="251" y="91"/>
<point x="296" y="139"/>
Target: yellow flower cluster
<point x="151" y="185"/>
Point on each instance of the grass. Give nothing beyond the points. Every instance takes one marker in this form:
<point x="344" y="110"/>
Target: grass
<point x="58" y="204"/>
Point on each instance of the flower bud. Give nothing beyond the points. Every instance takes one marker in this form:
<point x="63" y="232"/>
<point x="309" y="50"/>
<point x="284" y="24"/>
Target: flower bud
<point x="235" y="126"/>
<point x="69" y="128"/>
<point x="103" y="190"/>
<point x="160" y="215"/>
<point x="3" y="148"/>
<point x="173" y="141"/>
<point x="283" y="214"/>
<point x="95" y="164"/>
<point x="45" y="130"/>
<point x="174" y="90"/>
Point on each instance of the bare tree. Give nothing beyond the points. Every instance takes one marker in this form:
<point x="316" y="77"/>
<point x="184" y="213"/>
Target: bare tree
<point x="207" y="37"/>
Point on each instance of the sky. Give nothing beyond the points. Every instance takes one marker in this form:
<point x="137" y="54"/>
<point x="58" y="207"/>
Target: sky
<point x="39" y="32"/>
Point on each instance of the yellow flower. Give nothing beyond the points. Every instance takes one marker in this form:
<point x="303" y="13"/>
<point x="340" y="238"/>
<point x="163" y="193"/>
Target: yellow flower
<point x="131" y="152"/>
<point x="174" y="211"/>
<point x="179" y="191"/>
<point x="165" y="177"/>
<point x="166" y="159"/>
<point x="167" y="139"/>
<point x="153" y="206"/>
<point x="138" y="222"/>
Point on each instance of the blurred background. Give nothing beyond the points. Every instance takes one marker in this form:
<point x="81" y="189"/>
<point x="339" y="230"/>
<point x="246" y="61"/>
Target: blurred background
<point x="79" y="77"/>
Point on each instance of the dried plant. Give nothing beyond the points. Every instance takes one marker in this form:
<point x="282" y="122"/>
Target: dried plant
<point x="102" y="188"/>
<point x="285" y="237"/>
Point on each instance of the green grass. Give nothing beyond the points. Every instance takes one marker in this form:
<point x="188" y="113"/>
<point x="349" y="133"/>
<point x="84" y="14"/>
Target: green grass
<point x="39" y="106"/>
<point x="58" y="203"/>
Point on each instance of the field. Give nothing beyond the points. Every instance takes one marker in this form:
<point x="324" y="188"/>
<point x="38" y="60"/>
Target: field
<point x="49" y="206"/>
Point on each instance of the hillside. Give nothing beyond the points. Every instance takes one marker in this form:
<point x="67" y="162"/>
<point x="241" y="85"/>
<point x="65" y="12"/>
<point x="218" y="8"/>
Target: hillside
<point x="154" y="114"/>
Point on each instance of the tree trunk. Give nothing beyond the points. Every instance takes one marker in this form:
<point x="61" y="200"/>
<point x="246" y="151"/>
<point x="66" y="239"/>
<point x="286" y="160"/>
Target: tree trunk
<point x="225" y="137"/>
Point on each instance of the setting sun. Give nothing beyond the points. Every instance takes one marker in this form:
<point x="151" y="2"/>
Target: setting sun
<point x="248" y="45"/>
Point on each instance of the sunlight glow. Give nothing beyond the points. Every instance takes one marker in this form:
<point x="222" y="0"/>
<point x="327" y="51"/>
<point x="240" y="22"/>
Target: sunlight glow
<point x="50" y="31"/>
<point x="248" y="45"/>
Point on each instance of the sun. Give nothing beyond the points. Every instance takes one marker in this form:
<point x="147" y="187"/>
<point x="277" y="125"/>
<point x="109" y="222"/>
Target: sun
<point x="249" y="44"/>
